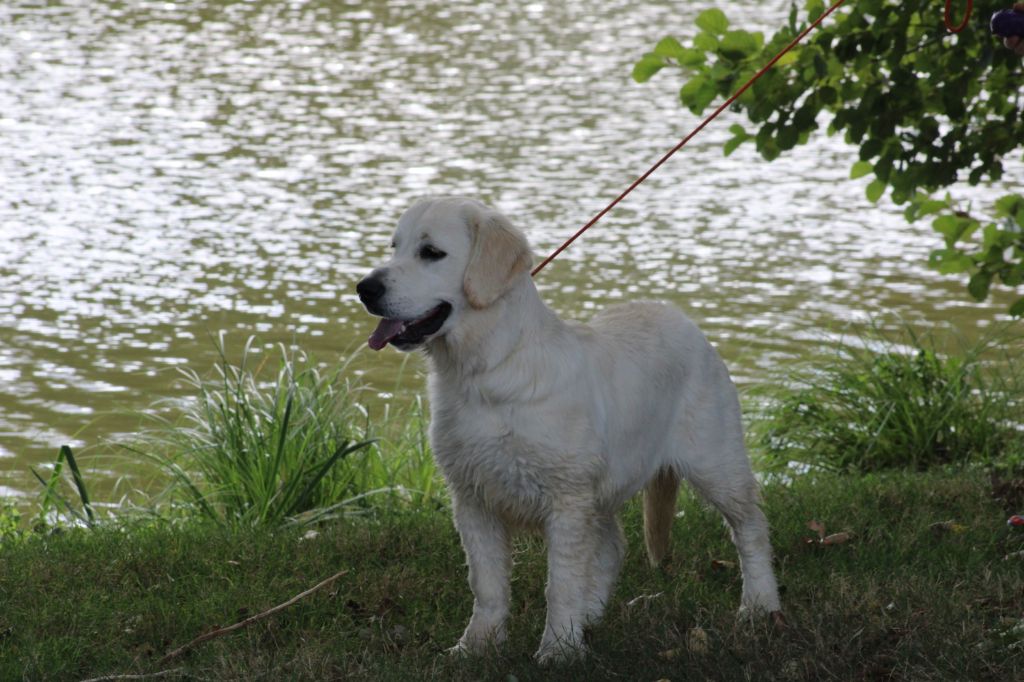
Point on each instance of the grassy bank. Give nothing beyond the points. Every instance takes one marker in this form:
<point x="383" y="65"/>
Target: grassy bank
<point x="902" y="598"/>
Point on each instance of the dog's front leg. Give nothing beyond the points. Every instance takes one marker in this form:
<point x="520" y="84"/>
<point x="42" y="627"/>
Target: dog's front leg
<point x="486" y="543"/>
<point x="572" y="541"/>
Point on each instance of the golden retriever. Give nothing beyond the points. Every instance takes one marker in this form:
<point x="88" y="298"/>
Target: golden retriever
<point x="538" y="423"/>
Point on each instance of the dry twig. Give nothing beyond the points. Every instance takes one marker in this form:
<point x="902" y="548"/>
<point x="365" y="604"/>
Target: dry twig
<point x="218" y="632"/>
<point x="139" y="676"/>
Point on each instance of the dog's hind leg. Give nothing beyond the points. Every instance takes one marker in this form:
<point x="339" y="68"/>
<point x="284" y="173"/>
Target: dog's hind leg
<point x="604" y="569"/>
<point x="733" y="490"/>
<point x="659" y="512"/>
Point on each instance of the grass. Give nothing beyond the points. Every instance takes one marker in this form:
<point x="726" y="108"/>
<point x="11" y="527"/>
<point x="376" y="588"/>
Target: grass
<point x="903" y="599"/>
<point x="261" y="445"/>
<point x="900" y="400"/>
<point x="400" y="460"/>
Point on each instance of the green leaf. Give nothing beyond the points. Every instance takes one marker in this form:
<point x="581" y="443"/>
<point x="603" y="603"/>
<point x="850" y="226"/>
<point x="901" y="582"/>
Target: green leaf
<point x="648" y="65"/>
<point x="670" y="48"/>
<point x="738" y="44"/>
<point x="860" y="169"/>
<point x="1017" y="309"/>
<point x="979" y="285"/>
<point x="691" y="57"/>
<point x="705" y="41"/>
<point x="875" y="190"/>
<point x="769" y="149"/>
<point x="1008" y="205"/>
<point x="732" y="143"/>
<point x="738" y="137"/>
<point x="723" y="72"/>
<point x="713" y="21"/>
<point x="788" y="58"/>
<point x="1012" y="276"/>
<point x="697" y="93"/>
<point x="948" y="227"/>
<point x="990" y="236"/>
<point x="950" y="261"/>
<point x="787" y="137"/>
<point x="815" y="8"/>
<point x="929" y="206"/>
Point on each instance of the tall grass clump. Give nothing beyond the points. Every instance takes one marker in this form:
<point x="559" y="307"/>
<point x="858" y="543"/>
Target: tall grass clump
<point x="899" y="400"/>
<point x="400" y="459"/>
<point x="254" y="450"/>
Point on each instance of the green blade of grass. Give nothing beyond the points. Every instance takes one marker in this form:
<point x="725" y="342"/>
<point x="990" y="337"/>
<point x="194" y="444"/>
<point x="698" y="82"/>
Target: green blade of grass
<point x="54" y="497"/>
<point x="341" y="452"/>
<point x="79" y="483"/>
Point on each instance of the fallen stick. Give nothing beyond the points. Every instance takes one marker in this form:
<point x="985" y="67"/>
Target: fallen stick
<point x="140" y="676"/>
<point x="218" y="632"/>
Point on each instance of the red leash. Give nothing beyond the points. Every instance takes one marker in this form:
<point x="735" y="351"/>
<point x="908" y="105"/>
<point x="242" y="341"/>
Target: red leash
<point x="720" y="109"/>
<point x="947" y="16"/>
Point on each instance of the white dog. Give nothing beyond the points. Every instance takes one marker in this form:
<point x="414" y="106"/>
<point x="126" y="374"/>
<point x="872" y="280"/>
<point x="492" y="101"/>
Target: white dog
<point x="551" y="425"/>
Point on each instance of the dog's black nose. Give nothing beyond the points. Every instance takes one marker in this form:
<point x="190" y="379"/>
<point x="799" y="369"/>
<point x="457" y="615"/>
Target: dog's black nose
<point x="370" y="290"/>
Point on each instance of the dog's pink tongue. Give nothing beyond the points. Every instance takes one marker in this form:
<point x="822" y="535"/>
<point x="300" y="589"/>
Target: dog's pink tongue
<point x="385" y="331"/>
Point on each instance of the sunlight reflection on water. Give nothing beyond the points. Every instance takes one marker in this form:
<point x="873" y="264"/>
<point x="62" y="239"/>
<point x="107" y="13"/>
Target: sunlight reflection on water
<point x="174" y="169"/>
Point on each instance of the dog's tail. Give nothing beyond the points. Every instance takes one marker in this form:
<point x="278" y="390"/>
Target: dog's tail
<point x="659" y="511"/>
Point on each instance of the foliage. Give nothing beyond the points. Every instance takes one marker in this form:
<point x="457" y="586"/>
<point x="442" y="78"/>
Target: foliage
<point x="895" y="401"/>
<point x="987" y="252"/>
<point x="10" y="522"/>
<point x="924" y="107"/>
<point x="249" y="451"/>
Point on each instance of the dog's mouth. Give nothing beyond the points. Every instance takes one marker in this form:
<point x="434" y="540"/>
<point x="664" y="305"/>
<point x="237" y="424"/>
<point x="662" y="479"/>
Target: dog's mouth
<point x="406" y="334"/>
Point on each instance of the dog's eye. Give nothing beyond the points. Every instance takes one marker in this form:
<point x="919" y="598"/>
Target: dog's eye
<point x="428" y="252"/>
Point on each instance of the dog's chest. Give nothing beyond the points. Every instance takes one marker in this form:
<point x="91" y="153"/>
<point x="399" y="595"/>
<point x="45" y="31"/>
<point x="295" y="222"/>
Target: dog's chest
<point x="513" y="457"/>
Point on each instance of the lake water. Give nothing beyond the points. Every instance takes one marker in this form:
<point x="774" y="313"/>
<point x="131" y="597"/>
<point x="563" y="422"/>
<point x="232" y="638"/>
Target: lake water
<point x="169" y="170"/>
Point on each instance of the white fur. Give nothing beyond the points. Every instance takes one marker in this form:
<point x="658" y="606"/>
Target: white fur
<point x="551" y="425"/>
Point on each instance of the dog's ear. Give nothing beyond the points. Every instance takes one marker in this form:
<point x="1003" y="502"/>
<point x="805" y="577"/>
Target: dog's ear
<point x="500" y="253"/>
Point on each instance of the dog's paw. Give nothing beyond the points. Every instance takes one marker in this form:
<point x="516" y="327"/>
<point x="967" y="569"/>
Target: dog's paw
<point x="778" y="621"/>
<point x="560" y="653"/>
<point x="775" y="617"/>
<point x="467" y="647"/>
<point x="471" y="644"/>
<point x="460" y="650"/>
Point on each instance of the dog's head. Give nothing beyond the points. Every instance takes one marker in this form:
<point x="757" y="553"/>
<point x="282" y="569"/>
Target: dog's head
<point x="450" y="255"/>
